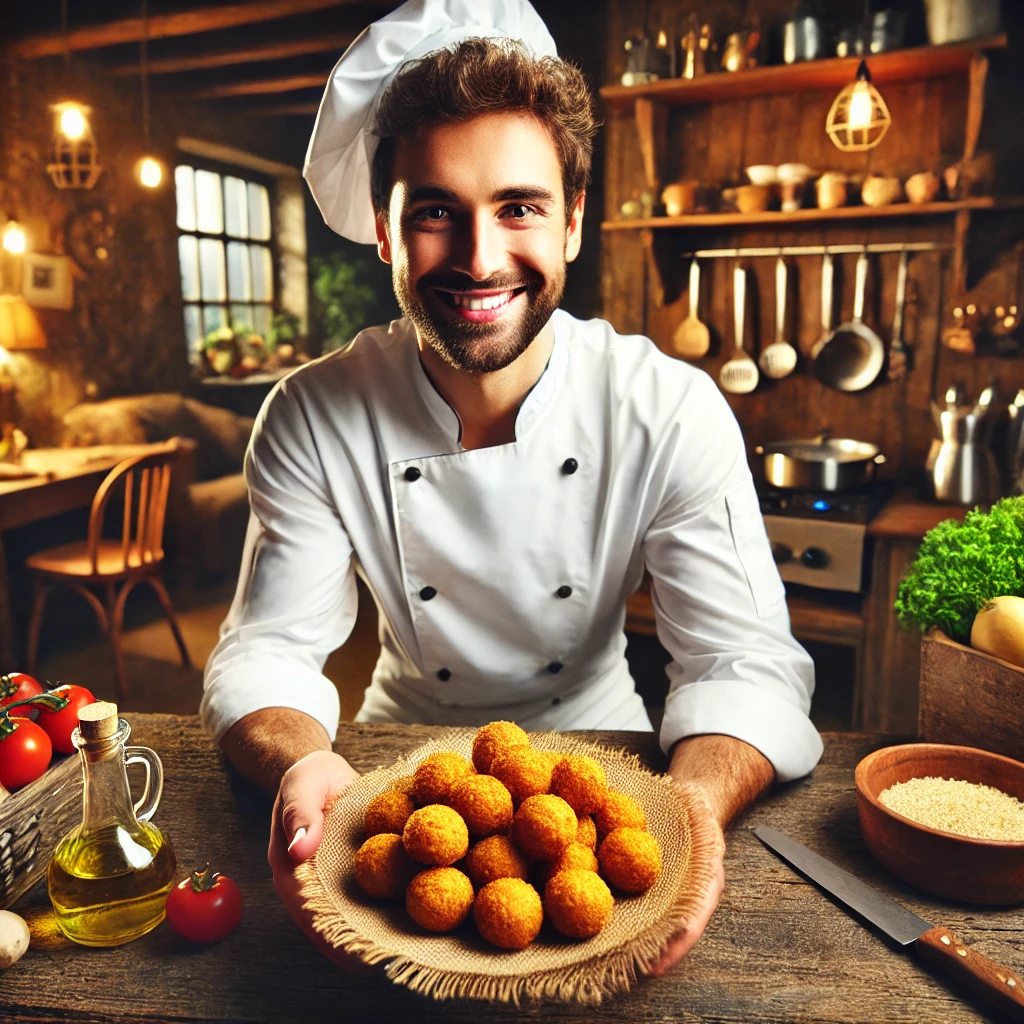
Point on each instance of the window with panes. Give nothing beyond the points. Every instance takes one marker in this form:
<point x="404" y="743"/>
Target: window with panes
<point x="225" y="251"/>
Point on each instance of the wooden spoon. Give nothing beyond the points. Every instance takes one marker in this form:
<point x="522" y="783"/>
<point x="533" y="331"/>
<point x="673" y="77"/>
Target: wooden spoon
<point x="779" y="358"/>
<point x="692" y="338"/>
<point x="739" y="376"/>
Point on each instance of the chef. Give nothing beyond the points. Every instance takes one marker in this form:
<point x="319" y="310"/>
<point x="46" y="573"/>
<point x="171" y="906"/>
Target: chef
<point x="498" y="473"/>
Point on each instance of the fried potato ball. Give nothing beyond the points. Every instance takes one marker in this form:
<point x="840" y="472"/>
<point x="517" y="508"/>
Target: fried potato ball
<point x="382" y="867"/>
<point x="436" y="775"/>
<point x="619" y="811"/>
<point x="630" y="859"/>
<point x="551" y="757"/>
<point x="436" y="835"/>
<point x="494" y="857"/>
<point x="580" y="781"/>
<point x="508" y="913"/>
<point x="484" y="803"/>
<point x="573" y="857"/>
<point x="405" y="785"/>
<point x="543" y="826"/>
<point x="586" y="832"/>
<point x="578" y="903"/>
<point x="388" y="813"/>
<point x="493" y="739"/>
<point x="524" y="772"/>
<point x="439" y="899"/>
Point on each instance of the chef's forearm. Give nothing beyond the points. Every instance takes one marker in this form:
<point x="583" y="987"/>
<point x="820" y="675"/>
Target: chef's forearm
<point x="732" y="773"/>
<point x="264" y="744"/>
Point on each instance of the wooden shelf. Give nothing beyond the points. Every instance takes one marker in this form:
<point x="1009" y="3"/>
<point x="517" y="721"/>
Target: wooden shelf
<point x="831" y="73"/>
<point x="777" y="218"/>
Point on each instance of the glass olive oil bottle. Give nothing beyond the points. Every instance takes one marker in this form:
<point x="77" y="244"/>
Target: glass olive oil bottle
<point x="109" y="878"/>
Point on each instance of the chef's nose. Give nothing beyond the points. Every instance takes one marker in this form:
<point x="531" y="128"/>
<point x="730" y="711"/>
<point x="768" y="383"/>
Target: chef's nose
<point x="480" y="253"/>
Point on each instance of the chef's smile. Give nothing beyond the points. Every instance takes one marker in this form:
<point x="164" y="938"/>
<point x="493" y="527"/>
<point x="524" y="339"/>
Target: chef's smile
<point x="482" y="307"/>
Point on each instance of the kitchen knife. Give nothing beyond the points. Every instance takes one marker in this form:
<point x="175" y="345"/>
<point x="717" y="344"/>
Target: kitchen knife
<point x="1000" y="986"/>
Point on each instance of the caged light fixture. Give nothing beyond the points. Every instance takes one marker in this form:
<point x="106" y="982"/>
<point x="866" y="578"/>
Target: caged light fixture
<point x="858" y="118"/>
<point x="74" y="157"/>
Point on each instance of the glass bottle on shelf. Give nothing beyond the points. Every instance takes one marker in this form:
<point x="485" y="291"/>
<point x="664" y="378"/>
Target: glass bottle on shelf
<point x="108" y="878"/>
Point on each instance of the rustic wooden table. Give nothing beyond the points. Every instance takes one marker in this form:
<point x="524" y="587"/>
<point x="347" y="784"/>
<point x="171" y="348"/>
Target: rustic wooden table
<point x="776" y="950"/>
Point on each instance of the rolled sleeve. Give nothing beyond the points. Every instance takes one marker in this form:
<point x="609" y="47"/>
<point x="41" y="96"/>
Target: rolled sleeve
<point x="720" y="607"/>
<point x="296" y="598"/>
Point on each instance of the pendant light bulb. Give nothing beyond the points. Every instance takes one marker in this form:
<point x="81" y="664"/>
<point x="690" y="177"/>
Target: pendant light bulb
<point x="14" y="240"/>
<point x="860" y="106"/>
<point x="72" y="122"/>
<point x="150" y="172"/>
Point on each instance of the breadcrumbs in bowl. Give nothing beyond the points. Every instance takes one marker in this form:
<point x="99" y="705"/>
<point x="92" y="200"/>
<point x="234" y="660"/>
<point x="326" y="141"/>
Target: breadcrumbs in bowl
<point x="943" y="860"/>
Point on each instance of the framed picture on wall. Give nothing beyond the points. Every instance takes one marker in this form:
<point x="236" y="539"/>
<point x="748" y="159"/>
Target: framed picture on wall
<point x="47" y="283"/>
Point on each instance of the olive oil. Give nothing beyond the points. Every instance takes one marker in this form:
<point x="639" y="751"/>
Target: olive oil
<point x="110" y="887"/>
<point x="109" y="878"/>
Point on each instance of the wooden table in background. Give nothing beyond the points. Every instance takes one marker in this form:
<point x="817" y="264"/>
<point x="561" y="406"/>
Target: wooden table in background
<point x="777" y="949"/>
<point x="65" y="479"/>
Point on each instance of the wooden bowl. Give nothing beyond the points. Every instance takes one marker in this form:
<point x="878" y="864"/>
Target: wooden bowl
<point x="952" y="866"/>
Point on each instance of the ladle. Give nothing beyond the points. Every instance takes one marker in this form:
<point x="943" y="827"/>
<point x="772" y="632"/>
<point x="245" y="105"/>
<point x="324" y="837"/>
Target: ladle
<point x="779" y="358"/>
<point x="739" y="375"/>
<point x="692" y="338"/>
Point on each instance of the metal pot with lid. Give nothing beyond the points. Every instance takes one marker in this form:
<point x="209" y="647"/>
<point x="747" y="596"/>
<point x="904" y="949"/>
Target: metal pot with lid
<point x="821" y="463"/>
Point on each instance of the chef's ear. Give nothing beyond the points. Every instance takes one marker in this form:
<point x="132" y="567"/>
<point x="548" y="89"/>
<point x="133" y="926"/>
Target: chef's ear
<point x="380" y="223"/>
<point x="574" y="231"/>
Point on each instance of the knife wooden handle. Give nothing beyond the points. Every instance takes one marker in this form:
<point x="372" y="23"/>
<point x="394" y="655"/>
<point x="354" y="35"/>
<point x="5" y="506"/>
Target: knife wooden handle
<point x="999" y="985"/>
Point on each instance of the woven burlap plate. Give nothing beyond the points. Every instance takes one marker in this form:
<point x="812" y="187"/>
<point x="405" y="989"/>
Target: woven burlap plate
<point x="462" y="964"/>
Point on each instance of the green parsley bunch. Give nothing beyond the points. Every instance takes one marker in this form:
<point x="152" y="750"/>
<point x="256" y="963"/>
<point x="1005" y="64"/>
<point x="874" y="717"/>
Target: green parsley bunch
<point x="961" y="567"/>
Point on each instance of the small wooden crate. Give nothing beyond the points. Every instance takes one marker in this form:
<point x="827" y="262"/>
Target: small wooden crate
<point x="969" y="698"/>
<point x="32" y="821"/>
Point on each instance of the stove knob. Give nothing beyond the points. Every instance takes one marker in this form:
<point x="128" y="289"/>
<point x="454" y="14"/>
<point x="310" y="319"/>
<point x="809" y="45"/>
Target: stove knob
<point x="815" y="558"/>
<point x="782" y="553"/>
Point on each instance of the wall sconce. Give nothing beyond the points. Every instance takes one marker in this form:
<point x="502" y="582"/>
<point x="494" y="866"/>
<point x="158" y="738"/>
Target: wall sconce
<point x="858" y="118"/>
<point x="13" y="238"/>
<point x="74" y="158"/>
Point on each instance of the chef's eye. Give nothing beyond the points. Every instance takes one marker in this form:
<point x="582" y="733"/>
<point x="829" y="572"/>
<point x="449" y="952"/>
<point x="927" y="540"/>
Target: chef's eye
<point x="431" y="214"/>
<point x="519" y="211"/>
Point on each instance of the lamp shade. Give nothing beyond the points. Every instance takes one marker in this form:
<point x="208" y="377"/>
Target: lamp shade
<point x="19" y="325"/>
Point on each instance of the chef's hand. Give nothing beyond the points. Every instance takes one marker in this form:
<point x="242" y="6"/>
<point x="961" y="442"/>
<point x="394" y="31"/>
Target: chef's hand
<point x="683" y="941"/>
<point x="307" y="788"/>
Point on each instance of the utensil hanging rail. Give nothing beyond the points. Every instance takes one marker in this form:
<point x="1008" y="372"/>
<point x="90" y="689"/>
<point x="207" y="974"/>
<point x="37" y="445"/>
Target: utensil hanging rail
<point x="816" y="250"/>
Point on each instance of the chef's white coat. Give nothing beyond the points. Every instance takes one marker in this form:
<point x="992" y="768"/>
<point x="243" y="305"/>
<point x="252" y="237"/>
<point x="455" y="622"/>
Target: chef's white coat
<point x="501" y="574"/>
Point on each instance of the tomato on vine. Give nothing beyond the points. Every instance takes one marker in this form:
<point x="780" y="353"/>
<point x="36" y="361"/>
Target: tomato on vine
<point x="25" y="749"/>
<point x="204" y="907"/>
<point x="17" y="687"/>
<point x="59" y="725"/>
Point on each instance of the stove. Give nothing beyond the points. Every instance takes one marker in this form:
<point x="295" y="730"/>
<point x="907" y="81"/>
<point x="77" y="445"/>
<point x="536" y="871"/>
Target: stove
<point x="819" y="538"/>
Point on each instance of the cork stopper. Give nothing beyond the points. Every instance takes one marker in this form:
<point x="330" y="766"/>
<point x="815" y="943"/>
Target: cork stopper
<point x="98" y="721"/>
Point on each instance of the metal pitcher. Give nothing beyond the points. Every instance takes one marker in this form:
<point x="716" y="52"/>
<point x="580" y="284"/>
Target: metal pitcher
<point x="1015" y="446"/>
<point x="962" y="467"/>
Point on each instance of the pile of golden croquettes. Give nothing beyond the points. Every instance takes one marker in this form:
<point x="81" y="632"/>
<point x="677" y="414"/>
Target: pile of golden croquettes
<point x="487" y="837"/>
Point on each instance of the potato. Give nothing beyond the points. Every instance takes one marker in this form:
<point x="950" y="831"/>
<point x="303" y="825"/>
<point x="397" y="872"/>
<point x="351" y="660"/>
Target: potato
<point x="14" y="938"/>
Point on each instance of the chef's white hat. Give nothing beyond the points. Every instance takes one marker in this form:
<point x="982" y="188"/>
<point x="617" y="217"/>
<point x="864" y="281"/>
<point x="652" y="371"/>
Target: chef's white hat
<point x="340" y="152"/>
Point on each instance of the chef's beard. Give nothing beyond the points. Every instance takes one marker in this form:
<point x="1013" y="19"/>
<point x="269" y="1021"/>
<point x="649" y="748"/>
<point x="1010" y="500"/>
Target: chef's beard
<point x="480" y="348"/>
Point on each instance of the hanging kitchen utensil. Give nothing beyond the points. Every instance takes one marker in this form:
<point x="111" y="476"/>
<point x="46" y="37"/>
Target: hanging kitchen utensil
<point x="827" y="278"/>
<point x="692" y="338"/>
<point x="897" y="349"/>
<point x="853" y="356"/>
<point x="739" y="375"/>
<point x="779" y="358"/>
<point x="820" y="463"/>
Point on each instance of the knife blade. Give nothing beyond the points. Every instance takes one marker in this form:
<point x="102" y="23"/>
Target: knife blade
<point x="995" y="983"/>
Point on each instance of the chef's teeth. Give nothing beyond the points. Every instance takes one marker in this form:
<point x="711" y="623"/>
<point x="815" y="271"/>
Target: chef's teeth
<point x="488" y="302"/>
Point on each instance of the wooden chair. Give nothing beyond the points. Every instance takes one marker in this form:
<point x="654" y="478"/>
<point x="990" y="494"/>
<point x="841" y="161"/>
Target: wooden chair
<point x="135" y="558"/>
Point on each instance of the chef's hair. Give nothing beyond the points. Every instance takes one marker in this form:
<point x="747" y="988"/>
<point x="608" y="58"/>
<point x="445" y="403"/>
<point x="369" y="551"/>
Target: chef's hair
<point x="486" y="76"/>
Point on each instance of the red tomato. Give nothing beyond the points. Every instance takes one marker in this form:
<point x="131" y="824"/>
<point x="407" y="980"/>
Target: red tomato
<point x="59" y="725"/>
<point x="24" y="753"/>
<point x="18" y="686"/>
<point x="204" y="907"/>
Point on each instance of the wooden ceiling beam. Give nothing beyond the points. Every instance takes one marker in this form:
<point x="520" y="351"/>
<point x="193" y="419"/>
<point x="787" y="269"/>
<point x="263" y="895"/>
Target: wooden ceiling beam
<point x="284" y="110"/>
<point x="165" y="26"/>
<point x="261" y="87"/>
<point x="226" y="58"/>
